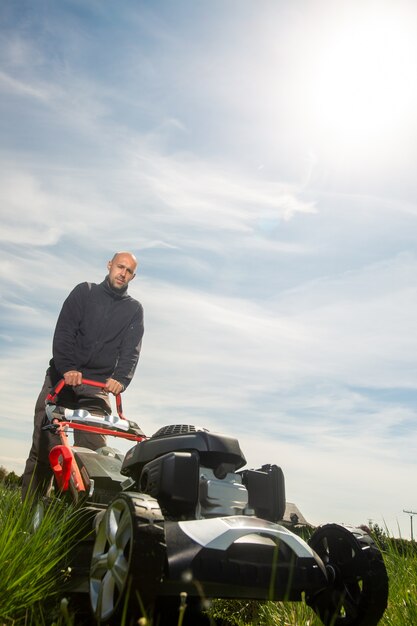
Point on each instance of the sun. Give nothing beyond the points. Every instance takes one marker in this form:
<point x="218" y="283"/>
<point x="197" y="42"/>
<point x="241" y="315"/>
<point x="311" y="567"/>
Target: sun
<point x="361" y="81"/>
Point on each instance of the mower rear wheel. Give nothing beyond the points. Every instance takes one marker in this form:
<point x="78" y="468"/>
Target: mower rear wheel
<point x="357" y="592"/>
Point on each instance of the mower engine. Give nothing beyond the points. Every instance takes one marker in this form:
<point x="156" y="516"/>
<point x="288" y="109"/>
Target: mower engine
<point x="193" y="475"/>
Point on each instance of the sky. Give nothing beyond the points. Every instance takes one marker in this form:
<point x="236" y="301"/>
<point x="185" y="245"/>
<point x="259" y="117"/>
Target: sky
<point x="259" y="159"/>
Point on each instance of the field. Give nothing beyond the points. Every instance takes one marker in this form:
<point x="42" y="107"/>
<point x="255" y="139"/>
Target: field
<point x="32" y="576"/>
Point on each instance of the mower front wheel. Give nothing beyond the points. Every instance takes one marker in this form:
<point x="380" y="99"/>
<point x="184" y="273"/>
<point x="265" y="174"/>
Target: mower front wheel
<point x="127" y="560"/>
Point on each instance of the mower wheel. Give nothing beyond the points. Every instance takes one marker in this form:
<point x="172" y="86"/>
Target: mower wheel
<point x="127" y="560"/>
<point x="357" y="590"/>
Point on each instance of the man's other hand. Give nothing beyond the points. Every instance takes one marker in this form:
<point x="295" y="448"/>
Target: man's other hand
<point x="114" y="386"/>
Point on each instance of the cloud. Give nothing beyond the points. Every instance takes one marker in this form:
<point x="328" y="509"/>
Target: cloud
<point x="347" y="483"/>
<point x="11" y="85"/>
<point x="147" y="192"/>
<point x="27" y="211"/>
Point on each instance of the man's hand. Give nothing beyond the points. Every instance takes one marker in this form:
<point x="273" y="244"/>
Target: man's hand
<point x="73" y="378"/>
<point x="114" y="386"/>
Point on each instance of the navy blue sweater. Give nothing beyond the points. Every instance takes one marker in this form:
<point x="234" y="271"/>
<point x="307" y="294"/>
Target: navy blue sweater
<point x="99" y="333"/>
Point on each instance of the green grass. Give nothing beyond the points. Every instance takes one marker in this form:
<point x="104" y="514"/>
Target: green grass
<point x="32" y="576"/>
<point x="401" y="562"/>
<point x="30" y="561"/>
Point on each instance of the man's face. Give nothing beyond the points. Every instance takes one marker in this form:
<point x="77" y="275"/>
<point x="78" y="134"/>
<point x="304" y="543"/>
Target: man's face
<point x="121" y="270"/>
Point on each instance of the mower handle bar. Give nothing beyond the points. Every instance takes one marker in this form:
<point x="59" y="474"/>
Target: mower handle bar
<point x="54" y="393"/>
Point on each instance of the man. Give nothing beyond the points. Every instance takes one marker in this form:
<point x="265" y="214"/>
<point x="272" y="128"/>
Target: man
<point x="98" y="336"/>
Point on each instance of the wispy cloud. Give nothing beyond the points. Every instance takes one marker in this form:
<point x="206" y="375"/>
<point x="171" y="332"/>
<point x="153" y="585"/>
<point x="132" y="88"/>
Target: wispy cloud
<point x="14" y="86"/>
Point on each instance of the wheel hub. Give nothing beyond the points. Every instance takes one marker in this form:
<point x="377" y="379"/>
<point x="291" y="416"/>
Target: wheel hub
<point x="331" y="574"/>
<point x="112" y="556"/>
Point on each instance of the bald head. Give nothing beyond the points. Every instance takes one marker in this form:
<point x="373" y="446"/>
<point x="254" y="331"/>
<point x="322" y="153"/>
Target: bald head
<point x="125" y="254"/>
<point x="122" y="269"/>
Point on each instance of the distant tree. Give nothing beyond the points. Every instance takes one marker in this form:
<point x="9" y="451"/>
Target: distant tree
<point x="12" y="479"/>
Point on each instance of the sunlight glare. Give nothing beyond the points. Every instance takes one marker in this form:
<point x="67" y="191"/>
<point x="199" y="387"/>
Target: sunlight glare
<point x="362" y="80"/>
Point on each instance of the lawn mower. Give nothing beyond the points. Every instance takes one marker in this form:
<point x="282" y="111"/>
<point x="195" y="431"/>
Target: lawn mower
<point x="178" y="520"/>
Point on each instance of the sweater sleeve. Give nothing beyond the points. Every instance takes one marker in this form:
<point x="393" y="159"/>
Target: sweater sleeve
<point x="66" y="330"/>
<point x="130" y="349"/>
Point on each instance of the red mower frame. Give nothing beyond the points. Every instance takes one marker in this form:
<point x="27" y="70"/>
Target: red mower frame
<point x="63" y="463"/>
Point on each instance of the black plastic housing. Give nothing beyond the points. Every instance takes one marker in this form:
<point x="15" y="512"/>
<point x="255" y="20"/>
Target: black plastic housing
<point x="173" y="480"/>
<point x="214" y="450"/>
<point x="266" y="489"/>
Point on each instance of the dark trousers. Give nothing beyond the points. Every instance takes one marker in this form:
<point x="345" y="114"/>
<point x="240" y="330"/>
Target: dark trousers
<point x="37" y="474"/>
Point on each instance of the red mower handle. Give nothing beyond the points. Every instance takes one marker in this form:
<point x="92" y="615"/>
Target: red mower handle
<point x="54" y="393"/>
